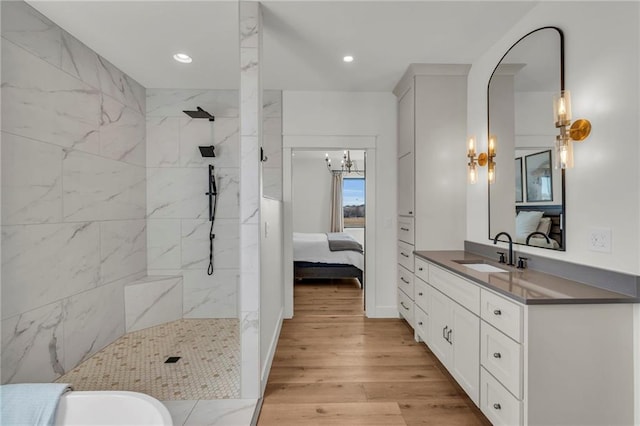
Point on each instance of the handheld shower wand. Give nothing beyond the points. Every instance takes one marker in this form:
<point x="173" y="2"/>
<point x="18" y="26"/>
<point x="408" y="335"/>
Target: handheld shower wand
<point x="213" y="204"/>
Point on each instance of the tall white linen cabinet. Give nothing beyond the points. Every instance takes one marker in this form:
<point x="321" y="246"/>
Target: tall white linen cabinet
<point x="432" y="121"/>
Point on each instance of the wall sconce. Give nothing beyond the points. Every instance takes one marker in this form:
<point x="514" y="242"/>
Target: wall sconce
<point x="483" y="159"/>
<point x="578" y="131"/>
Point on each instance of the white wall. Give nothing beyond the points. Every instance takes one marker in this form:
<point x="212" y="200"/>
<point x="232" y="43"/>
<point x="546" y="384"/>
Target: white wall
<point x="271" y="283"/>
<point x="601" y="65"/>
<point x="329" y="116"/>
<point x="311" y="197"/>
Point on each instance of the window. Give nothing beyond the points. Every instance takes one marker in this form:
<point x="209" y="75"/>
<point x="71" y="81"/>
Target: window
<point x="353" y="202"/>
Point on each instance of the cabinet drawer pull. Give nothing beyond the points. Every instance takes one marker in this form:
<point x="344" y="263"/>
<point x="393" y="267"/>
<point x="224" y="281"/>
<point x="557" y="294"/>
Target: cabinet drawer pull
<point x="403" y="280"/>
<point x="404" y="229"/>
<point x="402" y="303"/>
<point x="410" y="212"/>
<point x="497" y="355"/>
<point x="449" y="337"/>
<point x="497" y="312"/>
<point x="444" y="332"/>
<point x="420" y="294"/>
<point x="404" y="254"/>
<point x="420" y="268"/>
<point x="420" y="323"/>
<point x="497" y="406"/>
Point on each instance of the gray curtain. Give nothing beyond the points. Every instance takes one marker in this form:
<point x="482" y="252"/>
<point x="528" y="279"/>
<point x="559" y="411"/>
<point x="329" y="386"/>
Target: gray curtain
<point x="337" y="217"/>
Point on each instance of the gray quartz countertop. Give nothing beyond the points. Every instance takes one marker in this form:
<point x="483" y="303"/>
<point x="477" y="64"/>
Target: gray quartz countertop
<point x="524" y="285"/>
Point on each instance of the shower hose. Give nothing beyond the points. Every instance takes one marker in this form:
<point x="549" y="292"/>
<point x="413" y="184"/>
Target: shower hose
<point x="211" y="237"/>
<point x="213" y="199"/>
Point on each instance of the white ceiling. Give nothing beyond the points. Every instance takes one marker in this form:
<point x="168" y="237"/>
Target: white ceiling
<point x="304" y="41"/>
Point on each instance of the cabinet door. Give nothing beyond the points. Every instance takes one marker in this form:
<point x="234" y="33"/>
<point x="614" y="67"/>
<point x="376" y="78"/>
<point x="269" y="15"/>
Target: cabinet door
<point x="439" y="315"/>
<point x="405" y="185"/>
<point x="465" y="365"/>
<point x="406" y="129"/>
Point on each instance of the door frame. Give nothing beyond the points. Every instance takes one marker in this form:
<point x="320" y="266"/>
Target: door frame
<point x="365" y="143"/>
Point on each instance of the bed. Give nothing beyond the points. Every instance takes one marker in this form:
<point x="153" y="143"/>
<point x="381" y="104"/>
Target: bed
<point x="312" y="257"/>
<point x="554" y="214"/>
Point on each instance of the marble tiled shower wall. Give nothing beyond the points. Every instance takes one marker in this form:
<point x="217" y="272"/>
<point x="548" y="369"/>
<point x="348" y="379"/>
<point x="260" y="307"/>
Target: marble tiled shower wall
<point x="177" y="207"/>
<point x="73" y="197"/>
<point x="177" y="180"/>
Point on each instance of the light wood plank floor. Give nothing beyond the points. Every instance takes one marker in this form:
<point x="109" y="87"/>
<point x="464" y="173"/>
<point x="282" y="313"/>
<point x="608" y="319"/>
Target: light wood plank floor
<point x="333" y="366"/>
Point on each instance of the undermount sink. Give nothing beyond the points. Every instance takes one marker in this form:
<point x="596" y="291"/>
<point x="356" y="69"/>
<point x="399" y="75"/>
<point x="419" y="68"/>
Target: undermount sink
<point x="479" y="265"/>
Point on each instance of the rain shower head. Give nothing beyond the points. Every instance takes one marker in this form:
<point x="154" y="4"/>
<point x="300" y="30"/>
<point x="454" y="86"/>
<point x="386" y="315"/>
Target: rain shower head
<point x="200" y="113"/>
<point x="207" y="151"/>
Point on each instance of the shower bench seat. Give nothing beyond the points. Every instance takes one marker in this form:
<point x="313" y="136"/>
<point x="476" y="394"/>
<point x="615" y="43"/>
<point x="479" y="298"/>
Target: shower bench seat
<point x="152" y="300"/>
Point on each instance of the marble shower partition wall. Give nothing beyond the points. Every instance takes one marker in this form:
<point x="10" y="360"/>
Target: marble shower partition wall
<point x="251" y="130"/>
<point x="272" y="144"/>
<point x="177" y="207"/>
<point x="73" y="196"/>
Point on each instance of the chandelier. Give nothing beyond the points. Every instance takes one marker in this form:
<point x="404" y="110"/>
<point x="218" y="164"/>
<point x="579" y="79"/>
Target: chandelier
<point x="347" y="165"/>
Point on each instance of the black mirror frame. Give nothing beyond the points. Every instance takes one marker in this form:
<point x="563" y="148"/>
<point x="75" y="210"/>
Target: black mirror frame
<point x="564" y="205"/>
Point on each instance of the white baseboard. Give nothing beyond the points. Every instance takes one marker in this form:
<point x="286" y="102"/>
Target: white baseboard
<point x="271" y="353"/>
<point x="384" y="312"/>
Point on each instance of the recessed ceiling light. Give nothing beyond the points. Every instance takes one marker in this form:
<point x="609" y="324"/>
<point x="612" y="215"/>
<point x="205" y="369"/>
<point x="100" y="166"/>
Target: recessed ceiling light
<point x="348" y="58"/>
<point x="182" y="57"/>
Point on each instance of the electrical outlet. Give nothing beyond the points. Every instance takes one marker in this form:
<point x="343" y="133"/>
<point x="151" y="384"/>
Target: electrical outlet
<point x="600" y="240"/>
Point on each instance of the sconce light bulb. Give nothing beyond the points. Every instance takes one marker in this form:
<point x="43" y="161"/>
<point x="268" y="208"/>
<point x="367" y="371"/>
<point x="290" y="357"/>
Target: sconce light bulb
<point x="492" y="146"/>
<point x="472" y="147"/>
<point x="473" y="176"/>
<point x="564" y="156"/>
<point x="562" y="108"/>
<point x="491" y="172"/>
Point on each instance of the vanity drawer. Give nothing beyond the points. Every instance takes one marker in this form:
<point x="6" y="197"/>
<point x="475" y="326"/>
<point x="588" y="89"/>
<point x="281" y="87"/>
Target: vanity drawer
<point x="405" y="255"/>
<point x="405" y="307"/>
<point x="422" y="269"/>
<point x="420" y="295"/>
<point x="405" y="229"/>
<point x="405" y="281"/>
<point x="503" y="314"/>
<point x="421" y="323"/>
<point x="500" y="407"/>
<point x="502" y="357"/>
<point x="462" y="291"/>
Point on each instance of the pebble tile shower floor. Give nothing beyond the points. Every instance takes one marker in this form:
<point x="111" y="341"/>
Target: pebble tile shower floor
<point x="208" y="368"/>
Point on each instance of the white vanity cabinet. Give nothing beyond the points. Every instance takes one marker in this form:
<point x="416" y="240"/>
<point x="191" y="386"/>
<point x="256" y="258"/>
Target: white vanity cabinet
<point x="541" y="363"/>
<point x="454" y="338"/>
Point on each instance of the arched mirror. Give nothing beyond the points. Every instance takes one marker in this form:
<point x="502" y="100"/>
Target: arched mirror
<point x="527" y="198"/>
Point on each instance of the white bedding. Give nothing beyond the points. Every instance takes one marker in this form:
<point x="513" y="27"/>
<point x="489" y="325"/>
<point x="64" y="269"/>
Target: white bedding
<point x="315" y="248"/>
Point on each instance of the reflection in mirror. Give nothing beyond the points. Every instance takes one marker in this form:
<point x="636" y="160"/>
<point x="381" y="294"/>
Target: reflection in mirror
<point x="528" y="193"/>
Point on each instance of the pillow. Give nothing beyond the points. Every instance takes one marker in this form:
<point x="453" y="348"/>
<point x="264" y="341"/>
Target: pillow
<point x="544" y="225"/>
<point x="527" y="222"/>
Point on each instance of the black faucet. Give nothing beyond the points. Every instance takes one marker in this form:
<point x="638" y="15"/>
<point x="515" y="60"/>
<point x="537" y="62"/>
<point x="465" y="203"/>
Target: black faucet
<point x="537" y="233"/>
<point x="495" y="241"/>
